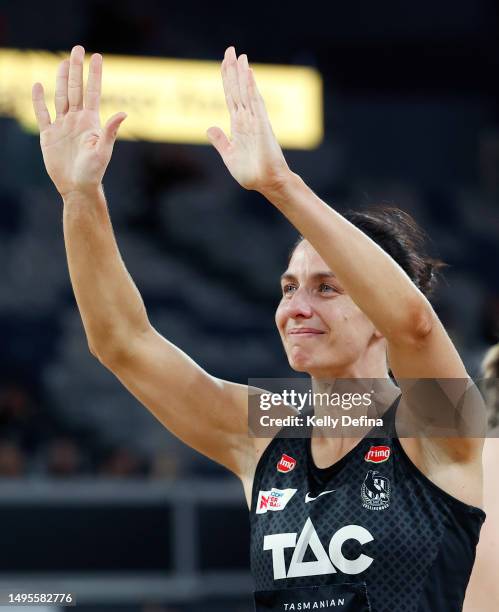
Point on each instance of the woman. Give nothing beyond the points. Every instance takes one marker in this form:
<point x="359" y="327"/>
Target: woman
<point x="398" y="537"/>
<point x="483" y="590"/>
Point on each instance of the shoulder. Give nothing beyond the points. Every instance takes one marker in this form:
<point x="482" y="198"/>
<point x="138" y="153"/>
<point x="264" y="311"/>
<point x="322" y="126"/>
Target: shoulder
<point x="447" y="415"/>
<point x="450" y="459"/>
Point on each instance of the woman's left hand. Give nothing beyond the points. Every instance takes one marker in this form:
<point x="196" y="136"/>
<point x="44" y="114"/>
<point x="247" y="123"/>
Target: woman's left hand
<point x="252" y="155"/>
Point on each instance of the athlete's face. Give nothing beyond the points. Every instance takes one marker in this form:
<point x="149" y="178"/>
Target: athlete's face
<point x="323" y="331"/>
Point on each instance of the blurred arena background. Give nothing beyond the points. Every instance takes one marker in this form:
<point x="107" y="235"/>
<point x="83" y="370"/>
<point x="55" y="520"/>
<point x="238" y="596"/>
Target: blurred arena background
<point x="95" y="496"/>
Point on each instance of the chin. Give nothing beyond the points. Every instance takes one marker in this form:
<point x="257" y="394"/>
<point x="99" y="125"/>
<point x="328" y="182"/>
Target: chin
<point x="297" y="368"/>
<point x="313" y="367"/>
<point x="301" y="363"/>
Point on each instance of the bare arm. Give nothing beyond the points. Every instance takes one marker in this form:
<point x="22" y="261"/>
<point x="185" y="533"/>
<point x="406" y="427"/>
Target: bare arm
<point x="208" y="414"/>
<point x="418" y="343"/>
<point x="483" y="589"/>
<point x="110" y="304"/>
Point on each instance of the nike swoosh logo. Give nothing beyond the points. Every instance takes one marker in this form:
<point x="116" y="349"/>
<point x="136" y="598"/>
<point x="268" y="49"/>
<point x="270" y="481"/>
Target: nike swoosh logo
<point x="310" y="499"/>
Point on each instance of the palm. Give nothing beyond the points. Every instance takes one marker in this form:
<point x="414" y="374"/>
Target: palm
<point x="252" y="155"/>
<point x="75" y="149"/>
<point x="69" y="148"/>
<point x="249" y="152"/>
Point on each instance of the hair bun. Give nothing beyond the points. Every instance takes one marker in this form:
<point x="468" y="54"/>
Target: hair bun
<point x="428" y="276"/>
<point x="397" y="233"/>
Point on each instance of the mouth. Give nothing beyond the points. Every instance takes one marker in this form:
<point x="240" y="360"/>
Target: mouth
<point x="305" y="331"/>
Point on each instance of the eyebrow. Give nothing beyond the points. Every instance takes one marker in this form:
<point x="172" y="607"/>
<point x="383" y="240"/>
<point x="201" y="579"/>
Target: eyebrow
<point x="316" y="275"/>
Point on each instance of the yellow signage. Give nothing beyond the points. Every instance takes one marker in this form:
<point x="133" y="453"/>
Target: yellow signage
<point x="170" y="100"/>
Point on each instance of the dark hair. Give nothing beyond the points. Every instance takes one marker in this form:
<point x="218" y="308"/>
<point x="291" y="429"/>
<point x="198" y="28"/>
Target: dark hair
<point x="399" y="235"/>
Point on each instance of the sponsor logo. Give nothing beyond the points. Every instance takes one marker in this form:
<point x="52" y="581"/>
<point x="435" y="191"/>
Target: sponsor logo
<point x="273" y="500"/>
<point x="314" y="605"/>
<point x="329" y="562"/>
<point x="286" y="464"/>
<point x="310" y="499"/>
<point x="375" y="491"/>
<point x="378" y="454"/>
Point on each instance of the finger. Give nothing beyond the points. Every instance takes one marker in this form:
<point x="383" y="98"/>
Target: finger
<point x="231" y="107"/>
<point x="110" y="131"/>
<point x="256" y="100"/>
<point x="219" y="140"/>
<point x="94" y="83"/>
<point x="40" y="108"/>
<point x="243" y="74"/>
<point x="75" y="81"/>
<point x="231" y="79"/>
<point x="61" y="89"/>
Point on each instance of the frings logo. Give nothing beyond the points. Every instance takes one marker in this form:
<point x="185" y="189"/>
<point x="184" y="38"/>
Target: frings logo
<point x="378" y="454"/>
<point x="286" y="463"/>
<point x="375" y="491"/>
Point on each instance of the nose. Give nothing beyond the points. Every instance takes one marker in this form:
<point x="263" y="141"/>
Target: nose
<point x="299" y="305"/>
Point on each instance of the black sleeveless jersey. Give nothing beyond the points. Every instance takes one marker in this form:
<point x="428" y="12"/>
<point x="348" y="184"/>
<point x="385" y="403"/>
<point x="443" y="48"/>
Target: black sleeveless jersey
<point x="371" y="533"/>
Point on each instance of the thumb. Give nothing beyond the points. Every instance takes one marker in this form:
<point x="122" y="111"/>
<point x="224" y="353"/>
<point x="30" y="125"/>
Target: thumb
<point x="218" y="139"/>
<point x="111" y="128"/>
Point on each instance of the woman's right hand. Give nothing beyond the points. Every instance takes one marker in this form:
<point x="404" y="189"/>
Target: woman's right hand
<point x="76" y="150"/>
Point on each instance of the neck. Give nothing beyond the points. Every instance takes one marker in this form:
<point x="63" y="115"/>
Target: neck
<point x="367" y="377"/>
<point x="369" y="366"/>
<point x="354" y="397"/>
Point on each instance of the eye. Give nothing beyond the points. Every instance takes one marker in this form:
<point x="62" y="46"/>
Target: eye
<point x="325" y="288"/>
<point x="288" y="288"/>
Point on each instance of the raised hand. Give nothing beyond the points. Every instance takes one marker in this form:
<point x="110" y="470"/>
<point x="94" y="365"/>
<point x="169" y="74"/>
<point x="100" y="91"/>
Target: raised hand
<point x="252" y="155"/>
<point x="76" y="150"/>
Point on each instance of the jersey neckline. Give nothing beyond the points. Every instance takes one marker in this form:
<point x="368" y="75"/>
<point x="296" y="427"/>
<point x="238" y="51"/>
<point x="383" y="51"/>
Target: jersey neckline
<point x="388" y="415"/>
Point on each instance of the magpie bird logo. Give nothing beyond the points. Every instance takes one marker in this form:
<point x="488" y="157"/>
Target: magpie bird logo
<point x="375" y="491"/>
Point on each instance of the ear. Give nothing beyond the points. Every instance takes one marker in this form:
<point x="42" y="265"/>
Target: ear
<point x="377" y="334"/>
